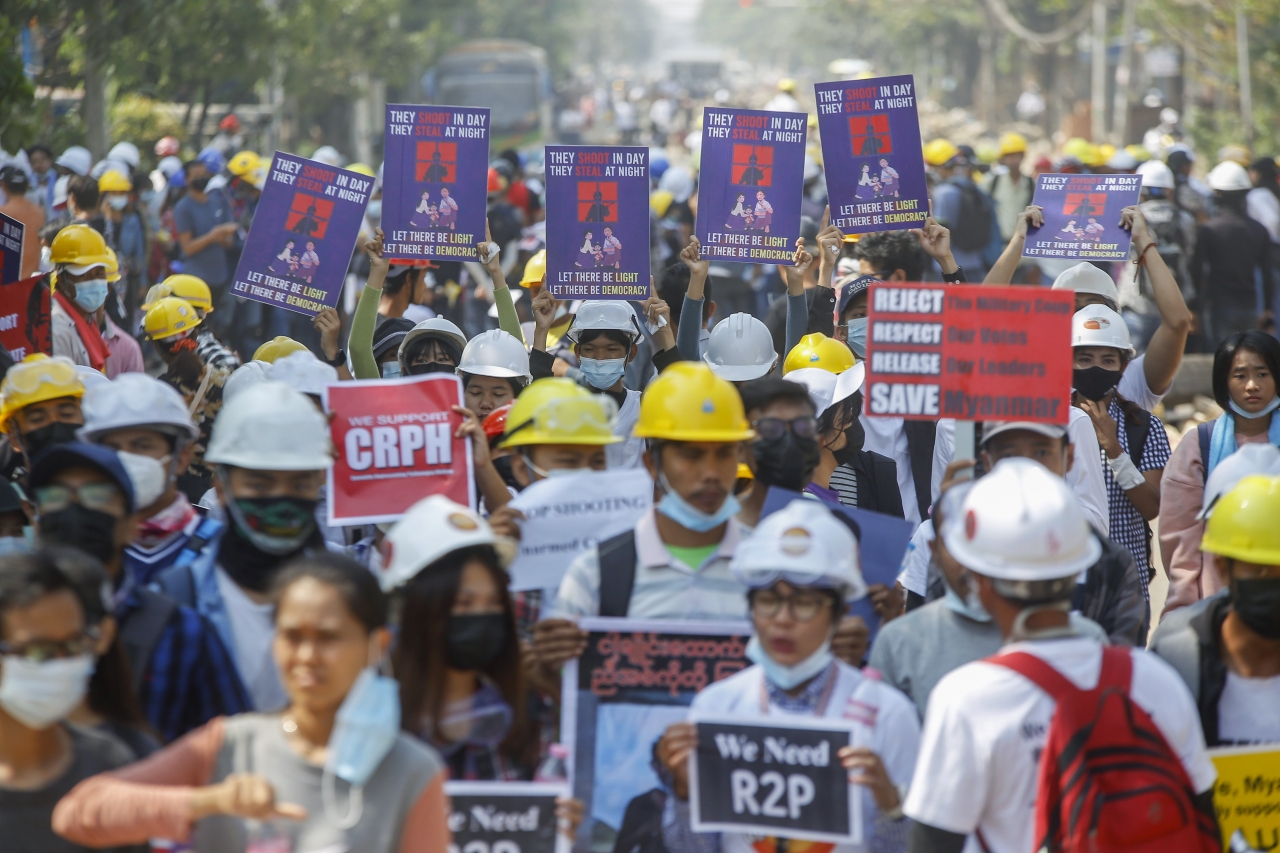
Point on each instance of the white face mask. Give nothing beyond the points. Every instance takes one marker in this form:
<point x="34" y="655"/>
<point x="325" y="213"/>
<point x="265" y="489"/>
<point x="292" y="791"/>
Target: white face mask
<point x="40" y="694"/>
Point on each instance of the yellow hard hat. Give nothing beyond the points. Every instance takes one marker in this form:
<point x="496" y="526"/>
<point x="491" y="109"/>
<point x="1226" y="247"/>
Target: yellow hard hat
<point x="817" y="350"/>
<point x="191" y="289"/>
<point x="79" y="248"/>
<point x="168" y="317"/>
<point x="1106" y="151"/>
<point x="660" y="201"/>
<point x="277" y="347"/>
<point x="362" y="169"/>
<point x="1013" y="143"/>
<point x="688" y="402"/>
<point x="35" y="379"/>
<point x="244" y="163"/>
<point x="113" y="265"/>
<point x="1243" y="525"/>
<point x="114" y="181"/>
<point x="744" y="472"/>
<point x="786" y="84"/>
<point x="1236" y="154"/>
<point x="535" y="269"/>
<point x="1077" y="147"/>
<point x="560" y="411"/>
<point x="1138" y="152"/>
<point x="155" y="293"/>
<point x="939" y="152"/>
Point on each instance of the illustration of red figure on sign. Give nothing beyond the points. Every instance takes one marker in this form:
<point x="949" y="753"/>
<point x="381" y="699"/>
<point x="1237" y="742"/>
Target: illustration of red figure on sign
<point x="870" y="135"/>
<point x="1086" y="208"/>
<point x="597" y="201"/>
<point x="308" y="216"/>
<point x="436" y="162"/>
<point x="753" y="165"/>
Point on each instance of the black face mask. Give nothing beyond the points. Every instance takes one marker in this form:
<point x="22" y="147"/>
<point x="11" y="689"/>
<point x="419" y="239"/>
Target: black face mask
<point x="503" y="466"/>
<point x="90" y="530"/>
<point x="472" y="641"/>
<point x="430" y="367"/>
<point x="855" y="435"/>
<point x="199" y="184"/>
<point x="252" y="567"/>
<point x="788" y="462"/>
<point x="1257" y="602"/>
<point x="1093" y="383"/>
<point x="48" y="435"/>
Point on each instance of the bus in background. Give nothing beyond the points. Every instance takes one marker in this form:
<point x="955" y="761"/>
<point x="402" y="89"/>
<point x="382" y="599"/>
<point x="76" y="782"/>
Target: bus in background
<point x="509" y="77"/>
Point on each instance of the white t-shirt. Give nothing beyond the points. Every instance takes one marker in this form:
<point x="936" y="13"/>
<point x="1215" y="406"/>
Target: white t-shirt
<point x="986" y="726"/>
<point x="1262" y="206"/>
<point x="1133" y="385"/>
<point x="627" y="454"/>
<point x="252" y="629"/>
<point x="887" y="437"/>
<point x="1249" y="710"/>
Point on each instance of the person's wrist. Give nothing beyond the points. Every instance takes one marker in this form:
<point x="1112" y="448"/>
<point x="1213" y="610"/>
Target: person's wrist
<point x="204" y="802"/>
<point x="948" y="264"/>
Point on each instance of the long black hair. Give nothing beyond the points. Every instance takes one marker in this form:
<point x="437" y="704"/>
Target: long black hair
<point x="1267" y="348"/>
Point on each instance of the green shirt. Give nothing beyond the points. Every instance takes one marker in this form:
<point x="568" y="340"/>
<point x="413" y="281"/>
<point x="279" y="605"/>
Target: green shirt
<point x="693" y="557"/>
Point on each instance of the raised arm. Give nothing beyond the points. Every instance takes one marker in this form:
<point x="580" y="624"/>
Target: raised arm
<point x="1002" y="270"/>
<point x="491" y="257"/>
<point x="365" y="320"/>
<point x="691" y="312"/>
<point x="1164" y="352"/>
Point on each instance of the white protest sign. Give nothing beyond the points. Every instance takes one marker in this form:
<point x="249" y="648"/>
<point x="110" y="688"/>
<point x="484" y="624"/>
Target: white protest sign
<point x="565" y="516"/>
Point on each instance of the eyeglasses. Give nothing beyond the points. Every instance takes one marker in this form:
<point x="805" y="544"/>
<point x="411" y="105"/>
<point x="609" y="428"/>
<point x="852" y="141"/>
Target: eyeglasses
<point x="39" y="651"/>
<point x="772" y="429"/>
<point x="803" y="605"/>
<point x="99" y="496"/>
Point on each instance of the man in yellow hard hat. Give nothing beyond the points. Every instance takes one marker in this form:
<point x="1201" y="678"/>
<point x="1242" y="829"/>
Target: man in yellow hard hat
<point x="197" y="294"/>
<point x="40" y="404"/>
<point x="961" y="206"/>
<point x="1008" y="187"/>
<point x="80" y="259"/>
<point x="126" y="354"/>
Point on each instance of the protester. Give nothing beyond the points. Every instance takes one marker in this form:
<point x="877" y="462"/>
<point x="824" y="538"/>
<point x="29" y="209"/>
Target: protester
<point x="194" y="291"/>
<point x="205" y="231"/>
<point x="1232" y="254"/>
<point x="125" y="355"/>
<point x="969" y="214"/>
<point x="79" y="256"/>
<point x="40" y="404"/>
<point x="82" y="202"/>
<point x="331" y="768"/>
<point x="786" y="451"/>
<point x="15" y="183"/>
<point x="432" y="346"/>
<point x="494" y="368"/>
<point x="1010" y="190"/>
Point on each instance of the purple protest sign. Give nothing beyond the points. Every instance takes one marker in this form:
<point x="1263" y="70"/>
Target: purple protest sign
<point x="435" y="183"/>
<point x="871" y="150"/>
<point x="597" y="222"/>
<point x="749" y="185"/>
<point x="304" y="229"/>
<point x="1082" y="217"/>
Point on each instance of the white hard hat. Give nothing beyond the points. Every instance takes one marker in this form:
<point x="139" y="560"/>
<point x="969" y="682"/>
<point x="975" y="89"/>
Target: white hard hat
<point x="91" y="377"/>
<point x="108" y="164"/>
<point x="436" y="327"/>
<point x="244" y="377"/>
<point x="430" y="529"/>
<point x="1021" y="523"/>
<point x="303" y="372"/>
<point x="169" y="166"/>
<point x="1099" y="326"/>
<point x="740" y="348"/>
<point x="1156" y="175"/>
<point x="827" y="390"/>
<point x="1249" y="459"/>
<point x="270" y="427"/>
<point x="75" y="158"/>
<point x="328" y="155"/>
<point x="1084" y="277"/>
<point x="495" y="353"/>
<point x="1122" y="161"/>
<point x="125" y="152"/>
<point x="602" y="314"/>
<point x="132" y="401"/>
<point x="804" y="545"/>
<point x="1229" y="176"/>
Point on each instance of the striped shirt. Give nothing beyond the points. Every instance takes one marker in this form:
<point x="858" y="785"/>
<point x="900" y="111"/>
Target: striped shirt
<point x="1127" y="526"/>
<point x="844" y="481"/>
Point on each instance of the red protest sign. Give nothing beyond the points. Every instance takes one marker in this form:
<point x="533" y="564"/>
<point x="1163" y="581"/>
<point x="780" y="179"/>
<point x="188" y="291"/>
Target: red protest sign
<point x="24" y="318"/>
<point x="969" y="352"/>
<point x="396" y="446"/>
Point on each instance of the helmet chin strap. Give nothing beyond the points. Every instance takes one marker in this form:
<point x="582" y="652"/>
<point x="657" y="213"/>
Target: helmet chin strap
<point x="1020" y="631"/>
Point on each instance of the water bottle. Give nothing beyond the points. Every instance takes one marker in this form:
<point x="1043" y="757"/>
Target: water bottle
<point x="555" y="767"/>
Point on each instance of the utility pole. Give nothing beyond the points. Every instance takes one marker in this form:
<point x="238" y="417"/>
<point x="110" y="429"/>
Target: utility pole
<point x="1246" y="84"/>
<point x="1098" y="95"/>
<point x="1124" y="76"/>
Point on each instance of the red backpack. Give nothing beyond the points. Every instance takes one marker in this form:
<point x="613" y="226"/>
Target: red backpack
<point x="1109" y="782"/>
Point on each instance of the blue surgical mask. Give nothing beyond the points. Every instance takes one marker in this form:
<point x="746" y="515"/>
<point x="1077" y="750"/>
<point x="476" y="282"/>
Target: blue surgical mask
<point x="118" y="202"/>
<point x="391" y="370"/>
<point x="1266" y="410"/>
<point x="91" y="294"/>
<point x="602" y="373"/>
<point x="14" y="545"/>
<point x="689" y="516"/>
<point x="858" y="337"/>
<point x="969" y="607"/>
<point x="366" y="728"/>
<point x="789" y="677"/>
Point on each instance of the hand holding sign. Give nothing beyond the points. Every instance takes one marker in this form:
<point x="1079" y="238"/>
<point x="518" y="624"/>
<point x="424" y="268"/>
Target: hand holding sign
<point x="866" y="768"/>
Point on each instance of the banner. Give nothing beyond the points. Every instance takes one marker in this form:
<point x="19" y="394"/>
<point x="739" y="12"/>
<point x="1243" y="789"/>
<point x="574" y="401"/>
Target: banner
<point x="1082" y="217"/>
<point x="304" y="229"/>
<point x="24" y="317"/>
<point x="871" y="148"/>
<point x="565" y="516"/>
<point x="1247" y="797"/>
<point x="597" y="222"/>
<point x="435" y="184"/>
<point x="396" y="445"/>
<point x="750" y="180"/>
<point x="636" y="678"/>
<point x="11" y="236"/>
<point x="779" y="779"/>
<point x="969" y="352"/>
<point x="505" y="817"/>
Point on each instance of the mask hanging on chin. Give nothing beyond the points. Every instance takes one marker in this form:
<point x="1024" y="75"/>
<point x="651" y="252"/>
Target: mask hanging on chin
<point x="689" y="516"/>
<point x="789" y="677"/>
<point x="968" y="606"/>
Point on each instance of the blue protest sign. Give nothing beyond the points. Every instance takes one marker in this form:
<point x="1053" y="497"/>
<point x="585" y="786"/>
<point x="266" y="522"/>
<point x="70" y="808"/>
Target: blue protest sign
<point x="749" y="185"/>
<point x="871" y="151"/>
<point x="1082" y="217"/>
<point x="597" y="221"/>
<point x="435" y="182"/>
<point x="11" y="235"/>
<point x="304" y="229"/>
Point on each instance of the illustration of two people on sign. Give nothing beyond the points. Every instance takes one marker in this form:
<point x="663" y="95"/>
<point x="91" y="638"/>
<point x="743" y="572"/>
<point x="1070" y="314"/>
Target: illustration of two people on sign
<point x="299" y="265"/>
<point x="745" y="217"/>
<point x="441" y="213"/>
<point x="1091" y="231"/>
<point x="607" y="252"/>
<point x="873" y="185"/>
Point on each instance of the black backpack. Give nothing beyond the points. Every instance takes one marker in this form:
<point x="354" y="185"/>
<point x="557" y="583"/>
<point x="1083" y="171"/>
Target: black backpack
<point x="972" y="229"/>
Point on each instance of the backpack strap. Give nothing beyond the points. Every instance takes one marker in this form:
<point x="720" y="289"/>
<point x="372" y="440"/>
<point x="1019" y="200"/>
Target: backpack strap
<point x="142" y="629"/>
<point x="1036" y="671"/>
<point x="617" y="560"/>
<point x="179" y="583"/>
<point x="1137" y="432"/>
<point x="1204" y="435"/>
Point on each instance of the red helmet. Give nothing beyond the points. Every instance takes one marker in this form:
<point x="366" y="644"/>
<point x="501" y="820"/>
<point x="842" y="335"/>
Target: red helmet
<point x="497" y="183"/>
<point x="168" y="146"/>
<point x="495" y="424"/>
<point x="229" y="123"/>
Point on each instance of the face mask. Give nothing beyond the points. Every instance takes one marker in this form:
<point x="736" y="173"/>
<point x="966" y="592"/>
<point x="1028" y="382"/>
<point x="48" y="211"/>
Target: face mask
<point x="90" y="530"/>
<point x="690" y="517"/>
<point x="118" y="202"/>
<point x="789" y="677"/>
<point x="391" y="370"/>
<point x="91" y="294"/>
<point x="365" y="730"/>
<point x="374" y="210"/>
<point x="1093" y="383"/>
<point x="472" y="641"/>
<point x="277" y="526"/>
<point x="431" y="367"/>
<point x="14" y="545"/>
<point x="40" y="694"/>
<point x="1262" y="413"/>
<point x="1257" y="602"/>
<point x="786" y="463"/>
<point x="602" y="373"/>
<point x="554" y="473"/>
<point x="48" y="435"/>
<point x="970" y="606"/>
<point x="199" y="184"/>
<point x="858" y="336"/>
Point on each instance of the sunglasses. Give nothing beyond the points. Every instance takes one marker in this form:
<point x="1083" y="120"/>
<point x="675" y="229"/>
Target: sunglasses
<point x="98" y="496"/>
<point x="773" y="429"/>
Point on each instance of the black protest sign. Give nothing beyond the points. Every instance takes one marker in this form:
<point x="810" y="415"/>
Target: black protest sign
<point x="781" y="779"/>
<point x="504" y="817"/>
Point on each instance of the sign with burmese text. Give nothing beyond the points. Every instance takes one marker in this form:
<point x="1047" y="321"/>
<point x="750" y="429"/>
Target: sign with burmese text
<point x="434" y="193"/>
<point x="871" y="147"/>
<point x="396" y="444"/>
<point x="597" y="222"/>
<point x="505" y="817"/>
<point x="1082" y="217"/>
<point x="11" y="236"/>
<point x="969" y="352"/>
<point x="636" y="678"/>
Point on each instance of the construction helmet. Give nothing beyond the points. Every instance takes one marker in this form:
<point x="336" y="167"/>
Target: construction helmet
<point x="430" y="529"/>
<point x="826" y="388"/>
<point x="245" y="377"/>
<point x="804" y="545"/>
<point x="113" y="266"/>
<point x="244" y="163"/>
<point x="114" y="181"/>
<point x="604" y="314"/>
<point x="1236" y="154"/>
<point x="1249" y="459"/>
<point x="495" y="353"/>
<point x="303" y="372"/>
<point x="1013" y="143"/>
<point x="535" y="270"/>
<point x="155" y="293"/>
<point x="817" y="350"/>
<point x="786" y="84"/>
<point x="1084" y="277"/>
<point x="168" y="317"/>
<point x="1079" y="148"/>
<point x="436" y="327"/>
<point x="270" y="427"/>
<point x="191" y="288"/>
<point x="1138" y="152"/>
<point x="1099" y="326"/>
<point x="688" y="402"/>
<point x="1243" y="524"/>
<point x="495" y="423"/>
<point x="135" y="401"/>
<point x="1229" y="176"/>
<point x="1156" y="175"/>
<point x="79" y="248"/>
<point x="740" y="348"/>
<point x="38" y="379"/>
<point x="277" y="347"/>
<point x="940" y="152"/>
<point x="167" y="146"/>
<point x="560" y="411"/>
<point x="362" y="169"/>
